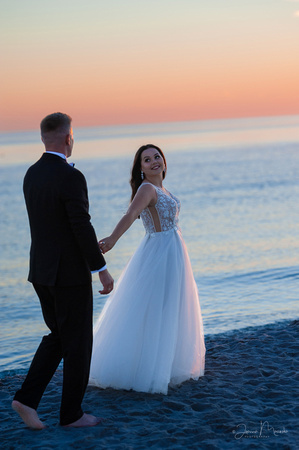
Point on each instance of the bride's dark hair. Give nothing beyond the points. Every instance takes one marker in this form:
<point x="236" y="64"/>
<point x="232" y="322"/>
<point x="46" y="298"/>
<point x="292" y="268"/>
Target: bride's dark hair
<point x="136" y="179"/>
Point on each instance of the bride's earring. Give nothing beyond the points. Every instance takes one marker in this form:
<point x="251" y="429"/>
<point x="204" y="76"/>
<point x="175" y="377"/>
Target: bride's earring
<point x="142" y="176"/>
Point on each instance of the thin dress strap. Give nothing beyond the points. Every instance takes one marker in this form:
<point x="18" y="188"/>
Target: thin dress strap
<point x="146" y="182"/>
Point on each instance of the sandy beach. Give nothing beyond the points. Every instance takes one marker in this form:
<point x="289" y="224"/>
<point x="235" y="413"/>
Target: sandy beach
<point x="247" y="399"/>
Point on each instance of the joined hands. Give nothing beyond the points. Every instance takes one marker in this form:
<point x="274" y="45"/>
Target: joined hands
<point x="106" y="279"/>
<point x="106" y="244"/>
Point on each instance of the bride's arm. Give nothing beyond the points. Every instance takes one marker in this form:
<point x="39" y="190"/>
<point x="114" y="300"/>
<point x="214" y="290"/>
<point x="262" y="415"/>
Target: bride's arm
<point x="143" y="198"/>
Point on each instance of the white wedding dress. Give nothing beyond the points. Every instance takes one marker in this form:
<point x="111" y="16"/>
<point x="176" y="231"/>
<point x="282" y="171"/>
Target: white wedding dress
<point x="150" y="332"/>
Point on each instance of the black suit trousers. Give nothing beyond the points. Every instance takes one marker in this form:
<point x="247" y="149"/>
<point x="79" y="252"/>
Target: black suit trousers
<point x="67" y="312"/>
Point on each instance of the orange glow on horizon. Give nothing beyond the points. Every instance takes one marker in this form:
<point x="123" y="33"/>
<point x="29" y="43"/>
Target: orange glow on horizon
<point x="133" y="65"/>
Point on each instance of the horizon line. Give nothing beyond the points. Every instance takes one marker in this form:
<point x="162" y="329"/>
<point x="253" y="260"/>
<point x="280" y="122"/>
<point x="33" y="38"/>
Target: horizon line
<point x="124" y="124"/>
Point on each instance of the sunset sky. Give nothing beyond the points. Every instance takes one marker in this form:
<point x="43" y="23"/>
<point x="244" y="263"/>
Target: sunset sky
<point x="138" y="61"/>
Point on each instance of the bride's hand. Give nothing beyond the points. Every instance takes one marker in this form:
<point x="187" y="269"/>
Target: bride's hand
<point x="106" y="244"/>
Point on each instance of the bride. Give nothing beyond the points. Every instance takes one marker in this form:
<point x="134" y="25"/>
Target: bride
<point x="150" y="333"/>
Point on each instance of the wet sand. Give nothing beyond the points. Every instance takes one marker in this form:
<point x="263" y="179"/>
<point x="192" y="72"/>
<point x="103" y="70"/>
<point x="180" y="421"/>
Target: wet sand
<point x="248" y="398"/>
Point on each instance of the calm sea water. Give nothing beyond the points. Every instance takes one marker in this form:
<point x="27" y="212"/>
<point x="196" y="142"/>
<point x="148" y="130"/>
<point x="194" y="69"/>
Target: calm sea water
<point x="238" y="182"/>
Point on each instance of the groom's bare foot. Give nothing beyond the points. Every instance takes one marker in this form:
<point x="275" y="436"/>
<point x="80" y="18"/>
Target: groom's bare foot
<point x="87" y="420"/>
<point x="28" y="415"/>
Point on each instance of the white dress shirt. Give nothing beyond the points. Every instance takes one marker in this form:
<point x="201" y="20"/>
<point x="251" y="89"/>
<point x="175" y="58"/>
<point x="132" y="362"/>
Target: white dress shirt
<point x="62" y="155"/>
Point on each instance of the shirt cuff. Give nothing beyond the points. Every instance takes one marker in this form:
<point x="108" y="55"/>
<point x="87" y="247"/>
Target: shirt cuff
<point x="100" y="270"/>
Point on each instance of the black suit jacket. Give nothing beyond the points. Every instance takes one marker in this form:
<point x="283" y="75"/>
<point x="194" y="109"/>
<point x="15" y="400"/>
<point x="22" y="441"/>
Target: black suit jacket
<point x="64" y="248"/>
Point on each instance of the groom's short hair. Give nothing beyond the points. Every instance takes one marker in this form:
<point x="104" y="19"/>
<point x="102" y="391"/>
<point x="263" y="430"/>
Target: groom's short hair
<point x="56" y="123"/>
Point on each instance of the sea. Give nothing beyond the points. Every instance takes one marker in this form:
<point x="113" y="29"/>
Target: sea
<point x="238" y="182"/>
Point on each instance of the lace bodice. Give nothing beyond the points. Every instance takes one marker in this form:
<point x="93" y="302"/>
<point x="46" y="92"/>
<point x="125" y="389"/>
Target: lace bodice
<point x="164" y="215"/>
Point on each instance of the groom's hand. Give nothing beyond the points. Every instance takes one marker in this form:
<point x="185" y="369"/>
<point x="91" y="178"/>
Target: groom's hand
<point x="107" y="282"/>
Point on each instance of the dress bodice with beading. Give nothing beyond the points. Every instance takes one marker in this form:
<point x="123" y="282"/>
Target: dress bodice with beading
<point x="167" y="208"/>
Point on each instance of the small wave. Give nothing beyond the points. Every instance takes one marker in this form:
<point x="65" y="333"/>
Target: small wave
<point x="274" y="274"/>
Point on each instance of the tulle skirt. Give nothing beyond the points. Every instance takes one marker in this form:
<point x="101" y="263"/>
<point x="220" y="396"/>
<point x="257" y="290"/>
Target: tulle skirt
<point x="150" y="333"/>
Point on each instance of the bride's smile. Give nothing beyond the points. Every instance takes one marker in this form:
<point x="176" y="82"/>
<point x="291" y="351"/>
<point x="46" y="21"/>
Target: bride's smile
<point x="152" y="163"/>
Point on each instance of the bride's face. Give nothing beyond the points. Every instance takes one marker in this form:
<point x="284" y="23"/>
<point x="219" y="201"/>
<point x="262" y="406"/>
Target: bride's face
<point x="152" y="163"/>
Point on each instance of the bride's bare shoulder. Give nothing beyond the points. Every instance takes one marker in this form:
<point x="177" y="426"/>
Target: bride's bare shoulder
<point x="148" y="191"/>
<point x="147" y="187"/>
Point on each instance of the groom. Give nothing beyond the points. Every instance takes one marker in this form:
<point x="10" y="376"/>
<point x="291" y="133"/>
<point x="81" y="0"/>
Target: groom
<point x="64" y="251"/>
